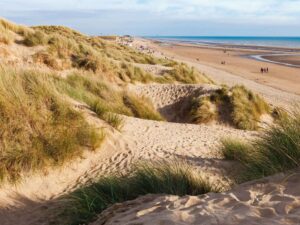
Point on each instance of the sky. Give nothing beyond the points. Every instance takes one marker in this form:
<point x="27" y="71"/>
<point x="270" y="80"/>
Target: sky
<point x="161" y="17"/>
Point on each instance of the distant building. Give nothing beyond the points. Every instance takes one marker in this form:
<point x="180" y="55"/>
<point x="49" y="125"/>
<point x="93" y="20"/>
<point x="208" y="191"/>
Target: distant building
<point x="125" y="40"/>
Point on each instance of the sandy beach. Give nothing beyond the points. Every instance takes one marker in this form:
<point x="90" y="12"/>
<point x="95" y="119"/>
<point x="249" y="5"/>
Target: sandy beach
<point x="238" y="62"/>
<point x="142" y="107"/>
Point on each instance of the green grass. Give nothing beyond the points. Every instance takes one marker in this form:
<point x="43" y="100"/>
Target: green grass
<point x="277" y="149"/>
<point x="155" y="178"/>
<point x="39" y="128"/>
<point x="237" y="106"/>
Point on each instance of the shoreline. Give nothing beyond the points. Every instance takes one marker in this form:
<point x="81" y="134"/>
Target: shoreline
<point x="226" y="45"/>
<point x="266" y="51"/>
<point x="268" y="57"/>
<point x="278" y="85"/>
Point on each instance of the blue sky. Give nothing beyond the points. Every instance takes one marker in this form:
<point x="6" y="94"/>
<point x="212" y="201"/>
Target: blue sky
<point x="161" y="17"/>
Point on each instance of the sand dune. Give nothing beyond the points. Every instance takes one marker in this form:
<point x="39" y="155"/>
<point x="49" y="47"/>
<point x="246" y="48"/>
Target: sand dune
<point x="270" y="201"/>
<point x="139" y="140"/>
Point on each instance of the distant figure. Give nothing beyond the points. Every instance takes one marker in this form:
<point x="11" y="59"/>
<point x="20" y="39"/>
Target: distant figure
<point x="262" y="70"/>
<point x="267" y="69"/>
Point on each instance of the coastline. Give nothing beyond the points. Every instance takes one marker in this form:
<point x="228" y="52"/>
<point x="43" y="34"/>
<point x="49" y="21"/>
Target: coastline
<point x="266" y="52"/>
<point x="208" y="59"/>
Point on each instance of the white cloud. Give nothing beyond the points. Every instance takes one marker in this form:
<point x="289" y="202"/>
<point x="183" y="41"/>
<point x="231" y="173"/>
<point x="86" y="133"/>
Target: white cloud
<point x="241" y="13"/>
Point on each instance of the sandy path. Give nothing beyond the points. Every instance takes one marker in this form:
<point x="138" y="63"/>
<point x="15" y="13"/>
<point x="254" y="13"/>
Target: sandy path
<point x="33" y="200"/>
<point x="270" y="201"/>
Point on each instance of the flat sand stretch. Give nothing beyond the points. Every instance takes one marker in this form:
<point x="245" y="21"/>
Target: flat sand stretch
<point x="281" y="86"/>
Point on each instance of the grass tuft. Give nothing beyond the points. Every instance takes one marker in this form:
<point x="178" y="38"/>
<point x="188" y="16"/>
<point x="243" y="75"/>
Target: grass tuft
<point x="277" y="149"/>
<point x="38" y="127"/>
<point x="237" y="106"/>
<point x="155" y="178"/>
<point x="35" y="38"/>
<point x="185" y="74"/>
<point x="141" y="107"/>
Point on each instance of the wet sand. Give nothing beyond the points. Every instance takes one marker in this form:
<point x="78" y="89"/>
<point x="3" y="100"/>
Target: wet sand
<point x="293" y="60"/>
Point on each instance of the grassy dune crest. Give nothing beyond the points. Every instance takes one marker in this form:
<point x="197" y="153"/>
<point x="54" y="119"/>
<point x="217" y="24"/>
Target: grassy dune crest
<point x="107" y="101"/>
<point x="277" y="149"/>
<point x="155" y="178"/>
<point x="237" y="105"/>
<point x="38" y="127"/>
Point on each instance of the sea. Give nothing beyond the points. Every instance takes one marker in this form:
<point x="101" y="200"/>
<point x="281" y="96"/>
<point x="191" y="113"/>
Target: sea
<point x="285" y="42"/>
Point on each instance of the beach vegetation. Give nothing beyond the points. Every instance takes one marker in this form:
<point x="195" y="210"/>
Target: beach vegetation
<point x="237" y="106"/>
<point x="174" y="178"/>
<point x="39" y="128"/>
<point x="107" y="101"/>
<point x="276" y="150"/>
<point x="184" y="74"/>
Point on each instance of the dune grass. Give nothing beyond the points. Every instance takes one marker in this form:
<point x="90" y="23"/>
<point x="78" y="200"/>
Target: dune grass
<point x="203" y="111"/>
<point x="132" y="73"/>
<point x="6" y="36"/>
<point x="237" y="105"/>
<point x="276" y="150"/>
<point x="247" y="108"/>
<point x="141" y="107"/>
<point x="185" y="74"/>
<point x="35" y="38"/>
<point x="18" y="29"/>
<point x="43" y="57"/>
<point x="38" y="127"/>
<point x="153" y="178"/>
<point x="107" y="101"/>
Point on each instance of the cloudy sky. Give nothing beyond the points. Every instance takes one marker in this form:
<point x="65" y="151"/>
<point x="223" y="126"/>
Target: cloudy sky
<point x="162" y="17"/>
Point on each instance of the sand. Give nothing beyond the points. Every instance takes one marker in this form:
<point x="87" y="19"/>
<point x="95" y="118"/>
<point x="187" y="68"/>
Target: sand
<point x="269" y="201"/>
<point x="280" y="86"/>
<point x="293" y="59"/>
<point x="33" y="200"/>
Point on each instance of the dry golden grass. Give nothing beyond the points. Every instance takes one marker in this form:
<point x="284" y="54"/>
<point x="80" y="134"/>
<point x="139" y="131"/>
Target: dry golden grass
<point x="185" y="74"/>
<point x="105" y="100"/>
<point x="18" y="29"/>
<point x="38" y="127"/>
<point x="237" y="106"/>
<point x="6" y="36"/>
<point x="203" y="111"/>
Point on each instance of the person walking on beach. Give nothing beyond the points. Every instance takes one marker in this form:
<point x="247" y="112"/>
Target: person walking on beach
<point x="262" y="70"/>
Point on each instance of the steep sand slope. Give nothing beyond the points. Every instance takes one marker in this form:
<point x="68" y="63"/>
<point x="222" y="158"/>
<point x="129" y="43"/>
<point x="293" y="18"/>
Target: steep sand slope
<point x="270" y="201"/>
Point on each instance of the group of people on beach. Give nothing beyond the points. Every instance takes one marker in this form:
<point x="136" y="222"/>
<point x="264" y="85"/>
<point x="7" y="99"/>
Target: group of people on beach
<point x="264" y="70"/>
